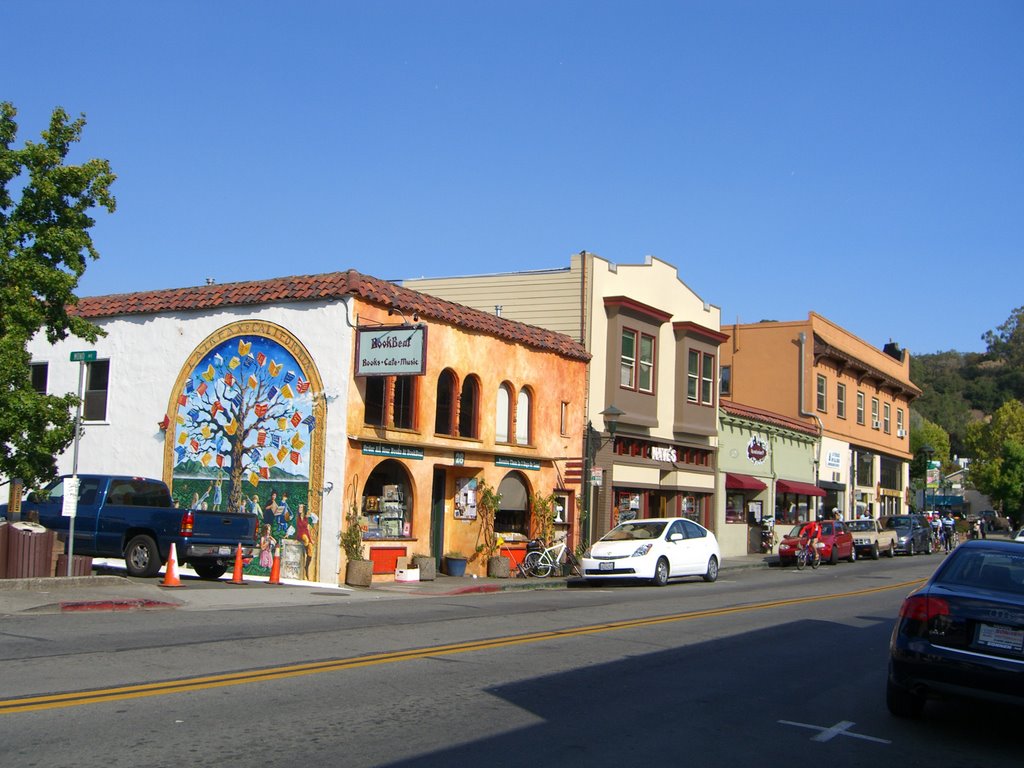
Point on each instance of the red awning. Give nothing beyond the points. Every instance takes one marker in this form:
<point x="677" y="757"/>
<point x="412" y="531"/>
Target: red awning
<point x="737" y="482"/>
<point x="802" y="489"/>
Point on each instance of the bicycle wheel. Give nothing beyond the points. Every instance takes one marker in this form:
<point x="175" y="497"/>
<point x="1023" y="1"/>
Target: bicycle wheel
<point x="801" y="559"/>
<point x="531" y="563"/>
<point x="543" y="567"/>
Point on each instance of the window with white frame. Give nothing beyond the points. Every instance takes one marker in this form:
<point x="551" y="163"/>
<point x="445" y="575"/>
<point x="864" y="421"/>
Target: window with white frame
<point x="822" y="390"/>
<point x="646" y="381"/>
<point x="874" y="413"/>
<point x="899" y="422"/>
<point x="502" y="414"/>
<point x="627" y="360"/>
<point x="40" y="374"/>
<point x="841" y="400"/>
<point x="886" y="414"/>
<point x="523" y="417"/>
<point x="707" y="379"/>
<point x="97" y="377"/>
<point x="860" y="407"/>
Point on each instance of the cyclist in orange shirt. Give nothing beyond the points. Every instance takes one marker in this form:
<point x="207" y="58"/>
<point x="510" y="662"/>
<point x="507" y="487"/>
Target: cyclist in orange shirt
<point x="812" y="530"/>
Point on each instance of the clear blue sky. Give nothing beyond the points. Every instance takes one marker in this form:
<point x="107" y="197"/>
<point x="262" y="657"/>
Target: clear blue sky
<point x="863" y="159"/>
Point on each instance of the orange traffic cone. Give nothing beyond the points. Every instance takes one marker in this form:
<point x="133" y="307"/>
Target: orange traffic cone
<point x="237" y="576"/>
<point x="171" y="574"/>
<point x="275" y="569"/>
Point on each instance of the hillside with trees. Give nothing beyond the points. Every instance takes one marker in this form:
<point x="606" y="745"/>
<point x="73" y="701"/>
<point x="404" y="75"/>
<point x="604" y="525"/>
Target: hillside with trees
<point x="972" y="405"/>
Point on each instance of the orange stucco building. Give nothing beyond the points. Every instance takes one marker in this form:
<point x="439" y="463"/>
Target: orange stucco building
<point x="858" y="397"/>
<point x="493" y="400"/>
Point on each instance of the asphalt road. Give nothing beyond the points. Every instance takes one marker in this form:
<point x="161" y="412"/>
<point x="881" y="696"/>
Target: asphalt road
<point x="766" y="667"/>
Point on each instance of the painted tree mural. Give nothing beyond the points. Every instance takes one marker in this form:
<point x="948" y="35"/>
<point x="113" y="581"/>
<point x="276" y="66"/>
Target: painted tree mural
<point x="245" y="420"/>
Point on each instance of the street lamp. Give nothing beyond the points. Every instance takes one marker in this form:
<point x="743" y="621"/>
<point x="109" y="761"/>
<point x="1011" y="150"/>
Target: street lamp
<point x="592" y="443"/>
<point x="928" y="452"/>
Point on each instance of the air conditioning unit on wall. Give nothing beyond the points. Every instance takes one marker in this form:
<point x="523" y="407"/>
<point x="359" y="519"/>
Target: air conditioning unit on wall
<point x="875" y="425"/>
<point x="901" y="433"/>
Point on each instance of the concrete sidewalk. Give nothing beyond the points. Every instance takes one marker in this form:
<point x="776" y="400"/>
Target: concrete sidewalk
<point x="106" y="592"/>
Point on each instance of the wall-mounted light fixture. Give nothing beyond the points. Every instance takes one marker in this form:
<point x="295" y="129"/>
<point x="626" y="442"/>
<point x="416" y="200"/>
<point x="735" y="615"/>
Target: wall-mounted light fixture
<point x="396" y="311"/>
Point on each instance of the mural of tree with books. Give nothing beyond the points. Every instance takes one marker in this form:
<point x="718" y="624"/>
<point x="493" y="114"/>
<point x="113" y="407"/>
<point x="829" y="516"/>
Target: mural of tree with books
<point x="245" y="420"/>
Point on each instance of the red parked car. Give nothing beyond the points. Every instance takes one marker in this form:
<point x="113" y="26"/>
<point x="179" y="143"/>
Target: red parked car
<point x="835" y="544"/>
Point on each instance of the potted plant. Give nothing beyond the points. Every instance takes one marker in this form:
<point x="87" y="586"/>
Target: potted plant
<point x="427" y="566"/>
<point x="455" y="563"/>
<point x="487" y="503"/>
<point x="358" y="570"/>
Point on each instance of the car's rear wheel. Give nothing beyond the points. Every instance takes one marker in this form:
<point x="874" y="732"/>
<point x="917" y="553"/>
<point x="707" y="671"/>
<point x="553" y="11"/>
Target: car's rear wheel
<point x="209" y="571"/>
<point x="910" y="549"/>
<point x="660" y="573"/>
<point x="712" y="572"/>
<point x="875" y="554"/>
<point x="928" y="547"/>
<point x="141" y="557"/>
<point x="833" y="556"/>
<point x="892" y="549"/>
<point x="901" y="702"/>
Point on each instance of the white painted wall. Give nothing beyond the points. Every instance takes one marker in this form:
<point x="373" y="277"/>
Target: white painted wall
<point x="146" y="354"/>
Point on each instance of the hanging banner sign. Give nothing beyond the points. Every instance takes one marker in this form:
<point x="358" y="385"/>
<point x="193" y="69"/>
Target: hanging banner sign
<point x="399" y="350"/>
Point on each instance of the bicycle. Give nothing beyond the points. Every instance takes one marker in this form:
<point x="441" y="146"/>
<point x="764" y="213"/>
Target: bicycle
<point x="804" y="555"/>
<point x="542" y="563"/>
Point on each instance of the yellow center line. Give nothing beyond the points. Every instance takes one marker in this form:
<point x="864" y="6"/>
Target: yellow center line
<point x="76" y="698"/>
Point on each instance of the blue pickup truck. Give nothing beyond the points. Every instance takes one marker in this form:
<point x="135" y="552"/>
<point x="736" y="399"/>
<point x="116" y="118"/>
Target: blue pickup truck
<point x="134" y="518"/>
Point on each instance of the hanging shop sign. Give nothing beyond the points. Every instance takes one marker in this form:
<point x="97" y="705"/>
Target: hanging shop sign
<point x="508" y="461"/>
<point x="391" y="351"/>
<point x="757" y="451"/>
<point x="392" y="451"/>
<point x="833" y="460"/>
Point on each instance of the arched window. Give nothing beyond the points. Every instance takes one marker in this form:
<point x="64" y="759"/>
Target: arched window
<point x="469" y="399"/>
<point x="502" y="414"/>
<point x="523" y="432"/>
<point x="444" y="416"/>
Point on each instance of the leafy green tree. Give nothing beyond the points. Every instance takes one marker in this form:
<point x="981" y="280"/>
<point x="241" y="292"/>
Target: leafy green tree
<point x="44" y="233"/>
<point x="1008" y="489"/>
<point x="926" y="433"/>
<point x="987" y="441"/>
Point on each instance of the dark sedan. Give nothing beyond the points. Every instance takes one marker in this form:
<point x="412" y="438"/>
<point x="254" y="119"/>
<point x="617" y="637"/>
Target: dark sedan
<point x="962" y="633"/>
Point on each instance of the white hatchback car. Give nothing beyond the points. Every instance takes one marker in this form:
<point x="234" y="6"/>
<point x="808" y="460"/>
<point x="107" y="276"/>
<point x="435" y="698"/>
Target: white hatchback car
<point x="657" y="549"/>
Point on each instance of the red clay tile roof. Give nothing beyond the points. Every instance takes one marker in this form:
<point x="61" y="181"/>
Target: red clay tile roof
<point x="767" y="417"/>
<point x="333" y="285"/>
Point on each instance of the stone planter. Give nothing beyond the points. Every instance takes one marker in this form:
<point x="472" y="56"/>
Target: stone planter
<point x="427" y="566"/>
<point x="359" y="573"/>
<point x="498" y="567"/>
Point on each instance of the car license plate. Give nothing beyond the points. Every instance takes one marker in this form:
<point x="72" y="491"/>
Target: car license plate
<point x="1003" y="638"/>
<point x="223" y="550"/>
<point x="606" y="566"/>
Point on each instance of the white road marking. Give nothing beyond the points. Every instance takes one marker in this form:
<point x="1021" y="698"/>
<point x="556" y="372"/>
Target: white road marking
<point x="841" y="728"/>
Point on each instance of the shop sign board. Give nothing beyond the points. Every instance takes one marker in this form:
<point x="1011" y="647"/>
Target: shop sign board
<point x="514" y="463"/>
<point x="833" y="460"/>
<point x="757" y="451"/>
<point x="399" y="350"/>
<point x="597" y="476"/>
<point x="393" y="451"/>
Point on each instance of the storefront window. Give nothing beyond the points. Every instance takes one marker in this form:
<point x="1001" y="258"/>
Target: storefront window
<point x="387" y="506"/>
<point x="734" y="509"/>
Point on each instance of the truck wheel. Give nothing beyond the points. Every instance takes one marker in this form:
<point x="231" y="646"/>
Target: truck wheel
<point x="209" y="571"/>
<point x="141" y="557"/>
<point x="875" y="554"/>
<point x="892" y="549"/>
